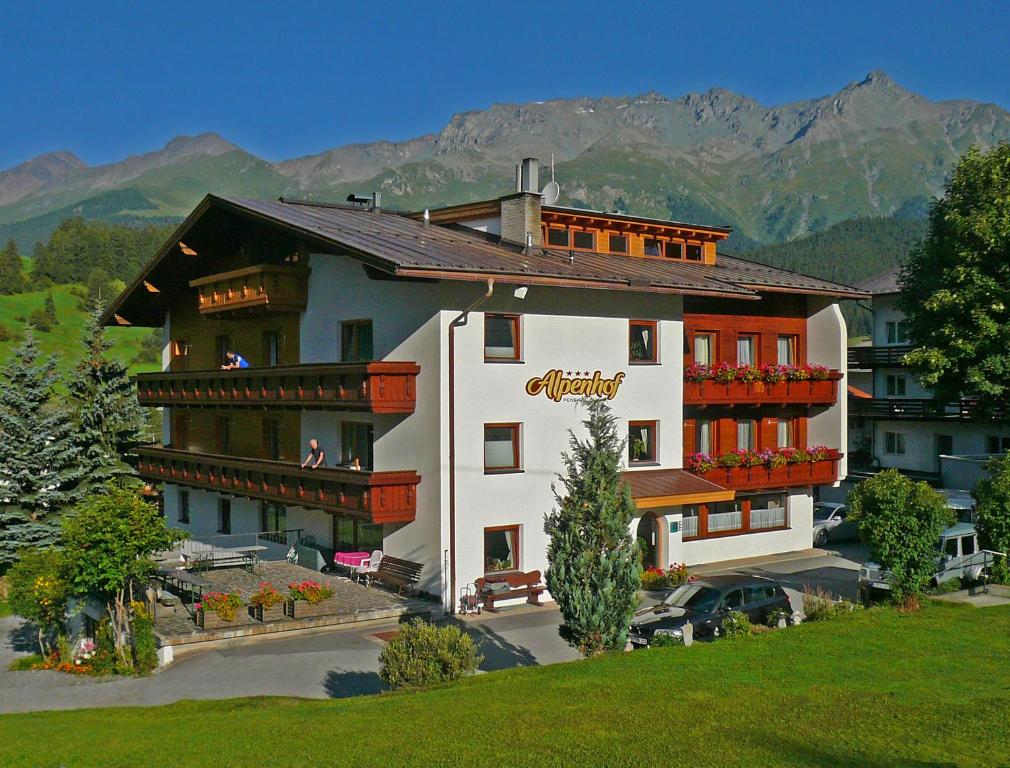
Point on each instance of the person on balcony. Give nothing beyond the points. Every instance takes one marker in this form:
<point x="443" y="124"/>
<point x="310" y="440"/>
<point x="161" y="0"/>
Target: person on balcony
<point x="234" y="360"/>
<point x="316" y="457"/>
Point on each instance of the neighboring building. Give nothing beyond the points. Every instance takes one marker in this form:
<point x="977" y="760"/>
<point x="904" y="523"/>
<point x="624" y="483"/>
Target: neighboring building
<point x="900" y="424"/>
<point x="444" y="428"/>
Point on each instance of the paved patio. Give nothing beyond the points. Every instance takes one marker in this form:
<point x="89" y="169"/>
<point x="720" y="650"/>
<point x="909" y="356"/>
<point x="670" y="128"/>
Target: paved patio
<point x="174" y="625"/>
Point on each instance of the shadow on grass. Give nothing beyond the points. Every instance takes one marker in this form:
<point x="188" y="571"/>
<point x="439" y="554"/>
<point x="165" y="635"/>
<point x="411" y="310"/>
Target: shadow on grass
<point x="805" y="754"/>
<point x="343" y="684"/>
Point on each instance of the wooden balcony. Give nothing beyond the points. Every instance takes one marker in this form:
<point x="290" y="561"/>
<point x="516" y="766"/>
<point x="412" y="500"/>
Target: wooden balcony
<point x="908" y="408"/>
<point x="878" y="357"/>
<point x="787" y="476"/>
<point x="377" y="497"/>
<point x="263" y="288"/>
<point x="808" y="392"/>
<point x="376" y="387"/>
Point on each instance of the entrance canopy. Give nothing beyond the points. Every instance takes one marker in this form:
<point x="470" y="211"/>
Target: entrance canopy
<point x="653" y="488"/>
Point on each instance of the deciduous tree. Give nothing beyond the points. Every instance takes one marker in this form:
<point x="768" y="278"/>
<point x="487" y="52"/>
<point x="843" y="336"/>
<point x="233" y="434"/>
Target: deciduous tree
<point x="992" y="495"/>
<point x="594" y="569"/>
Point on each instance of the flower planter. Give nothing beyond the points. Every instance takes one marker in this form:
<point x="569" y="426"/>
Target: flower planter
<point x="806" y="391"/>
<point x="303" y="609"/>
<point x="261" y="614"/>
<point x="751" y="478"/>
<point x="210" y="620"/>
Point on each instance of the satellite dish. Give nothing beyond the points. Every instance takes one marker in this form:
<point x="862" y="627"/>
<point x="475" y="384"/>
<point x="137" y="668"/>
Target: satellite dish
<point x="551" y="193"/>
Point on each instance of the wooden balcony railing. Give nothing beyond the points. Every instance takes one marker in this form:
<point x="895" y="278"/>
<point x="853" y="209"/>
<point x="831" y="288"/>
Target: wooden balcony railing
<point x="378" y="387"/>
<point x="378" y="497"/>
<point x="878" y="357"/>
<point x="808" y="392"/>
<point x="263" y="288"/>
<point x="790" y="475"/>
<point x="912" y="408"/>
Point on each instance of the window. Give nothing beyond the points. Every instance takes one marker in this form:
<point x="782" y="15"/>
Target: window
<point x="501" y="447"/>
<point x="642" y="341"/>
<point x="746" y="434"/>
<point x="787" y="350"/>
<point x="997" y="444"/>
<point x="224" y="515"/>
<point x="356" y="439"/>
<point x="224" y="434"/>
<point x="642" y="442"/>
<point x="584" y="240"/>
<point x="703" y="436"/>
<point x="733" y="600"/>
<point x="273" y="517"/>
<point x="704" y="348"/>
<point x="674" y="250"/>
<point x="271" y="348"/>
<point x="352" y="536"/>
<point x="184" y="507"/>
<point x="356" y="341"/>
<point x="784" y="431"/>
<point x="368" y="537"/>
<point x="501" y="337"/>
<point x="557" y="237"/>
<point x="897" y="331"/>
<point x="693" y="252"/>
<point x="180" y="355"/>
<point x="967" y="545"/>
<point x="745" y="347"/>
<point x="897" y="385"/>
<point x="653" y="247"/>
<point x="618" y="244"/>
<point x="758" y="594"/>
<point x="271" y="439"/>
<point x="894" y="443"/>
<point x="950" y="547"/>
<point x="222" y="345"/>
<point x="501" y="548"/>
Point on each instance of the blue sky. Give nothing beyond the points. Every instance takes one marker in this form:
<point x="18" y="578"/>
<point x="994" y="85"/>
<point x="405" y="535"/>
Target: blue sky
<point x="109" y="79"/>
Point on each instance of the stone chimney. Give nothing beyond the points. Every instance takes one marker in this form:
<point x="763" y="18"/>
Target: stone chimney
<point x="520" y="212"/>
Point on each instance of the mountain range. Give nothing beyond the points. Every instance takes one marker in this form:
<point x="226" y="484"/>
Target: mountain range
<point x="773" y="173"/>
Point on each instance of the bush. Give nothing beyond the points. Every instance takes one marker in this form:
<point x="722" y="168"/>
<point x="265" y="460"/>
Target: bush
<point x="104" y="660"/>
<point x="40" y="321"/>
<point x="38" y="590"/>
<point x="145" y="647"/>
<point x="664" y="641"/>
<point x="776" y="615"/>
<point x="736" y="624"/>
<point x="818" y="605"/>
<point x="422" y="654"/>
<point x="224" y="604"/>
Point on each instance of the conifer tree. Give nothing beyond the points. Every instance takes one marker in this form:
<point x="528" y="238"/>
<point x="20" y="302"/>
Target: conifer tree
<point x="11" y="277"/>
<point x="39" y="463"/>
<point x="594" y="569"/>
<point x="108" y="421"/>
<point x="50" y="309"/>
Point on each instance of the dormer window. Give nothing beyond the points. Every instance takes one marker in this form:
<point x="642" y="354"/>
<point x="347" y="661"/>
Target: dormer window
<point x="584" y="240"/>
<point x="557" y="237"/>
<point x="618" y="244"/>
<point x="674" y="250"/>
<point x="693" y="252"/>
<point x="653" y="247"/>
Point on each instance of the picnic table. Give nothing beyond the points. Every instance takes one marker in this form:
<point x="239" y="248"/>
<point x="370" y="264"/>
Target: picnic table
<point x="220" y="557"/>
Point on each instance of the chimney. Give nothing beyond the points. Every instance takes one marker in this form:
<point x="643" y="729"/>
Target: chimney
<point x="520" y="212"/>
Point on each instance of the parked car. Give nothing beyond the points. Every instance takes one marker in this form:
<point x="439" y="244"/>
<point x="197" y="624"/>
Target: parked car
<point x="704" y="604"/>
<point x="832" y="523"/>
<point x="958" y="556"/>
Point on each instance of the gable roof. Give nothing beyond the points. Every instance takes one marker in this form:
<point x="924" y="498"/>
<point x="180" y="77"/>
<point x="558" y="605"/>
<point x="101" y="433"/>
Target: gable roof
<point x="881" y="285"/>
<point x="401" y="246"/>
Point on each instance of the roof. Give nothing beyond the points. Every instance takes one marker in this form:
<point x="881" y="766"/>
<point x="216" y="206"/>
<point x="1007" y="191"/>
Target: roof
<point x="881" y="285"/>
<point x="664" y="487"/>
<point x="401" y="246"/>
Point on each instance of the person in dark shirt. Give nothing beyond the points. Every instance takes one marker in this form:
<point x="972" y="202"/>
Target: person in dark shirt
<point x="316" y="457"/>
<point x="234" y="360"/>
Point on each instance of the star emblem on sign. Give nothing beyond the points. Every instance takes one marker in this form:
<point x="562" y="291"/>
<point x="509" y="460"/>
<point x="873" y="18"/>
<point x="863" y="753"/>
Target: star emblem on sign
<point x="568" y="373"/>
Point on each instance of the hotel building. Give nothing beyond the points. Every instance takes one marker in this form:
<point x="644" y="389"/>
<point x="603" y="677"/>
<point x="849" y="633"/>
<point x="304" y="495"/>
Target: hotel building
<point x="441" y="358"/>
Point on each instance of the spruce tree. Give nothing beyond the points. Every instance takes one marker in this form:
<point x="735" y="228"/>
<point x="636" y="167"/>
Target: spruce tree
<point x="50" y="309"/>
<point x="12" y="279"/>
<point x="39" y="463"/>
<point x="594" y="569"/>
<point x="109" y="422"/>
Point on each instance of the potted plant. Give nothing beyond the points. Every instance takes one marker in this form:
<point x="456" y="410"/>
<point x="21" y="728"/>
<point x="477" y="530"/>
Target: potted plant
<point x="217" y="609"/>
<point x="309" y="598"/>
<point x="267" y="603"/>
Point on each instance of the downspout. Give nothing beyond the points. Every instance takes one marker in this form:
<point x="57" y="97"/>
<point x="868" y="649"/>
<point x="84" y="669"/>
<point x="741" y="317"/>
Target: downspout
<point x="461" y="319"/>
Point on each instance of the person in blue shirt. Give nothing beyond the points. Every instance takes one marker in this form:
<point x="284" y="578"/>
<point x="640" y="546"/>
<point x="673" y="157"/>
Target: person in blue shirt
<point x="234" y="360"/>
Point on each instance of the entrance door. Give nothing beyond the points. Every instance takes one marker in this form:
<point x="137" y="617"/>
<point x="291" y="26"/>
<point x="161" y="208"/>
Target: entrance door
<point x="648" y="540"/>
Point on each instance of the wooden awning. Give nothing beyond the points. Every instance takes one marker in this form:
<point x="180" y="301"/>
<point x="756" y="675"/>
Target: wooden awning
<point x="651" y="488"/>
<point x="858" y="393"/>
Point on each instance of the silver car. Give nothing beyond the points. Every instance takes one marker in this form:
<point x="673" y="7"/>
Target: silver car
<point x="832" y="523"/>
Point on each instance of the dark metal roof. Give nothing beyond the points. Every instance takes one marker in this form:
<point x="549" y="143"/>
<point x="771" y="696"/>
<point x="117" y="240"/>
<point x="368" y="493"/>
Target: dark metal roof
<point x="882" y="284"/>
<point x="757" y="276"/>
<point x="662" y="483"/>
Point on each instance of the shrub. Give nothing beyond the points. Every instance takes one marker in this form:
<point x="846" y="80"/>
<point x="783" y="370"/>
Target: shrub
<point x="311" y="592"/>
<point x="422" y="654"/>
<point x="224" y="604"/>
<point x="38" y="590"/>
<point x="664" y="641"/>
<point x="145" y="647"/>
<point x="818" y="605"/>
<point x="104" y="660"/>
<point x="266" y="596"/>
<point x="736" y="624"/>
<point x="40" y="321"/>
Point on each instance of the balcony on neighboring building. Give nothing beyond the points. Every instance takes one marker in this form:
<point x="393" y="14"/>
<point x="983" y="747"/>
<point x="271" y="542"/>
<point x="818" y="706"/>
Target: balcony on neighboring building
<point x="878" y="357"/>
<point x="808" y="392"/>
<point x="376" y="497"/>
<point x="376" y="387"/>
<point x="262" y="288"/>
<point x="788" y="475"/>
<point x="912" y="409"/>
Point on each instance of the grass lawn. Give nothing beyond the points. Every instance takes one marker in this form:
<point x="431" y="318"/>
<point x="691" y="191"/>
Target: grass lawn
<point x="5" y="609"/>
<point x="876" y="689"/>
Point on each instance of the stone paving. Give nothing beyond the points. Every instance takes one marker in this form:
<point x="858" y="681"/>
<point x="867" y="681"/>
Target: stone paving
<point x="355" y="600"/>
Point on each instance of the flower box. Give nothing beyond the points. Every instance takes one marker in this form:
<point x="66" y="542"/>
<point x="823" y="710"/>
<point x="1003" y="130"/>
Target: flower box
<point x="273" y="613"/>
<point x="210" y="620"/>
<point x="303" y="609"/>
<point x="752" y="478"/>
<point x="809" y="391"/>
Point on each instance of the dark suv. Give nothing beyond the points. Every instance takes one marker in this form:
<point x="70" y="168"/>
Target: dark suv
<point x="704" y="603"/>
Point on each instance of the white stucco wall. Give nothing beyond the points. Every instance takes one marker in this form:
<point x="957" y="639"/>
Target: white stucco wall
<point x="827" y="344"/>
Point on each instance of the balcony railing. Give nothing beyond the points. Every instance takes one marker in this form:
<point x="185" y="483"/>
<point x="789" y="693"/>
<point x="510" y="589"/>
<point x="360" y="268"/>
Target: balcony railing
<point x="878" y="357"/>
<point x="912" y="408"/>
<point x="808" y="392"/>
<point x="378" y="387"/>
<point x="743" y="478"/>
<point x="263" y="288"/>
<point x="742" y="520"/>
<point x="378" y="497"/>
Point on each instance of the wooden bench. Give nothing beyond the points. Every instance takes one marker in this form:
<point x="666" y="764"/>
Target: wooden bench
<point x="394" y="572"/>
<point x="520" y="585"/>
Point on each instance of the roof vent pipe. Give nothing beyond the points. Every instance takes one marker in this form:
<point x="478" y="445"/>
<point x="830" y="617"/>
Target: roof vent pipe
<point x="427" y="217"/>
<point x="529" y="243"/>
<point x="519" y="179"/>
